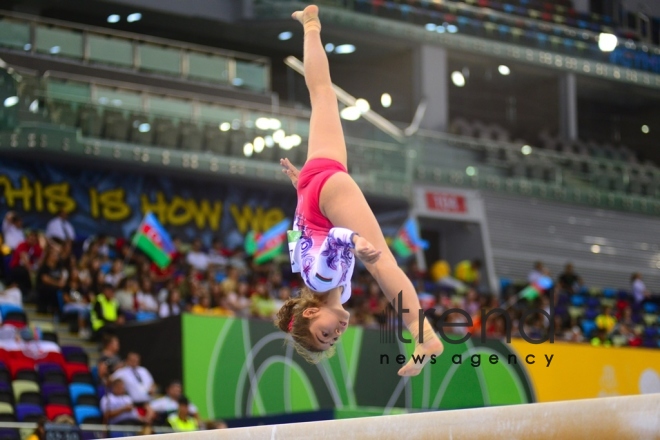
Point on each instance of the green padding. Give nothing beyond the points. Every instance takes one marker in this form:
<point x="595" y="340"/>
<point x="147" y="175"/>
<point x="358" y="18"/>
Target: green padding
<point x="158" y="59"/>
<point x="365" y="411"/>
<point x="59" y="42"/>
<point x="14" y="34"/>
<point x="110" y="50"/>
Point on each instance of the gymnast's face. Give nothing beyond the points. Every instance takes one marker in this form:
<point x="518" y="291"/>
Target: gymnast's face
<point x="327" y="325"/>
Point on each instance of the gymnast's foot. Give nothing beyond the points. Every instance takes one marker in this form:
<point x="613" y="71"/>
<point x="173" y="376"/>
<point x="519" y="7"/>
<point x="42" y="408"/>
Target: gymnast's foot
<point x="290" y="170"/>
<point x="422" y="355"/>
<point x="309" y="18"/>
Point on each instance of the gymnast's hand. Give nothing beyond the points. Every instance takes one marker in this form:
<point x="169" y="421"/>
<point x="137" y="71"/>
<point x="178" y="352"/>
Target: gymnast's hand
<point x="290" y="170"/>
<point x="365" y="251"/>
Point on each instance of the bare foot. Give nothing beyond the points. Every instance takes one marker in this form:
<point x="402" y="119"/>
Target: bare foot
<point x="422" y="355"/>
<point x="309" y="17"/>
<point x="290" y="170"/>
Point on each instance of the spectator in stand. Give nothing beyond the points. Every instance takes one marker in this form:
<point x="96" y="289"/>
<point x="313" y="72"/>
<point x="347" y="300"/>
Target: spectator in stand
<point x="75" y="303"/>
<point x="218" y="254"/>
<point x="60" y="228"/>
<point x="11" y="295"/>
<point x="139" y="382"/>
<point x="204" y="307"/>
<point x="640" y="293"/>
<point x="116" y="274"/>
<point x="24" y="261"/>
<point x="171" y="307"/>
<point x="601" y="340"/>
<point x="238" y="300"/>
<point x="169" y="403"/>
<point x="97" y="246"/>
<point x="106" y="313"/>
<point x="110" y="353"/>
<point x="606" y="321"/>
<point x="230" y="283"/>
<point x="569" y="281"/>
<point x="39" y="432"/>
<point x="117" y="406"/>
<point x="182" y="421"/>
<point x="469" y="272"/>
<point x="12" y="230"/>
<point x="263" y="305"/>
<point x="146" y="301"/>
<point x="51" y="279"/>
<point x="126" y="296"/>
<point x="536" y="273"/>
<point x="197" y="258"/>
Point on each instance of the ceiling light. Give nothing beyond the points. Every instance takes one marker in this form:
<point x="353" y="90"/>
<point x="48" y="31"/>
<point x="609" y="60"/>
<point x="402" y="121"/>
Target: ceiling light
<point x="27" y="47"/>
<point x="362" y="105"/>
<point x="457" y="78"/>
<point x="248" y="149"/>
<point x="471" y="171"/>
<point x="237" y="82"/>
<point x="504" y="70"/>
<point x="295" y="140"/>
<point x="452" y="29"/>
<point x="144" y="128"/>
<point x="34" y="106"/>
<point x="55" y="50"/>
<point x="440" y="29"/>
<point x="259" y="144"/>
<point x="262" y="123"/>
<point x="286" y="143"/>
<point x="526" y="150"/>
<point x="350" y="113"/>
<point x="430" y="27"/>
<point x="114" y="18"/>
<point x="11" y="101"/>
<point x="595" y="249"/>
<point x="274" y="124"/>
<point x="269" y="141"/>
<point x="283" y="36"/>
<point x="329" y="47"/>
<point x="385" y="100"/>
<point x="278" y="136"/>
<point x="344" y="49"/>
<point x="607" y="42"/>
<point x="645" y="129"/>
<point x="225" y="126"/>
<point x="136" y="16"/>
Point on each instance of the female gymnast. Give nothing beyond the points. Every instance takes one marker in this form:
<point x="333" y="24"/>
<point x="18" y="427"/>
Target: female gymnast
<point x="335" y="223"/>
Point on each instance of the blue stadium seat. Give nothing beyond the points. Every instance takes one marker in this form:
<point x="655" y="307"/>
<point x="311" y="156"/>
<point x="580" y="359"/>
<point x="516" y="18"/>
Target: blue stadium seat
<point x="577" y="300"/>
<point x="78" y="389"/>
<point x="591" y="314"/>
<point x="650" y="308"/>
<point x="609" y="292"/>
<point x="83" y="412"/>
<point x="588" y="327"/>
<point x="8" y="308"/>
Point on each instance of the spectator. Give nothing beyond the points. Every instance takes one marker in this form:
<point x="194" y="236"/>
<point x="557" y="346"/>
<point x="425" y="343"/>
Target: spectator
<point x="11" y="294"/>
<point x="75" y="303"/>
<point x="12" y="230"/>
<point x="116" y="274"/>
<point x="263" y="306"/>
<point x="569" y="281"/>
<point x="536" y="273"/>
<point x="60" y="228"/>
<point x="126" y="295"/>
<point x="51" y="279"/>
<point x="182" y="421"/>
<point x="117" y="406"/>
<point x="139" y="382"/>
<point x="639" y="288"/>
<point x="601" y="340"/>
<point x="172" y="307"/>
<point x="238" y="300"/>
<point x="105" y="311"/>
<point x="218" y="254"/>
<point x="606" y="321"/>
<point x="24" y="261"/>
<point x="39" y="432"/>
<point x="110" y="354"/>
<point x="169" y="403"/>
<point x="197" y="258"/>
<point x="145" y="299"/>
<point x="468" y="272"/>
<point x="204" y="307"/>
<point x="97" y="246"/>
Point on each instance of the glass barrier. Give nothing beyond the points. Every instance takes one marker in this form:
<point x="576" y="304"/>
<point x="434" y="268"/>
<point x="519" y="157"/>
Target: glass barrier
<point x="131" y="51"/>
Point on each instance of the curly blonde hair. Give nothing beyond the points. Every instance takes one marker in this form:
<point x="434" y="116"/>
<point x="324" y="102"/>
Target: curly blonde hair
<point x="290" y="319"/>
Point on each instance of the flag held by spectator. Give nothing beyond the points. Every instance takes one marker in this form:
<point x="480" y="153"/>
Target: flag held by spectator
<point x="408" y="240"/>
<point x="154" y="241"/>
<point x="268" y="245"/>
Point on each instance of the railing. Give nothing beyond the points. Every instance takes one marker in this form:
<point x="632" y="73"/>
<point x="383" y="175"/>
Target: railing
<point x="95" y="45"/>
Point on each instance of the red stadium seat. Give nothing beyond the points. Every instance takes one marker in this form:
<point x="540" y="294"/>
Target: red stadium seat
<point x="71" y="369"/>
<point x="18" y="364"/>
<point x="53" y="411"/>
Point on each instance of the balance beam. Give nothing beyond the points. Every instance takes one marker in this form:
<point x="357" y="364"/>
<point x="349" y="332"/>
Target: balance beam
<point x="628" y="417"/>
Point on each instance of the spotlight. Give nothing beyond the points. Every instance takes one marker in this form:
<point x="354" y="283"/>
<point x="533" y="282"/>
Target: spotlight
<point x="595" y="249"/>
<point x="385" y="100"/>
<point x="471" y="171"/>
<point x="269" y="141"/>
<point x="295" y="140"/>
<point x="458" y="79"/>
<point x="430" y="27"/>
<point x="136" y="16"/>
<point x="248" y="149"/>
<point x="262" y="123"/>
<point x="350" y="113"/>
<point x="504" y="70"/>
<point x="362" y="105"/>
<point x="55" y="50"/>
<point x="278" y="136"/>
<point x="11" y="101"/>
<point x="225" y="126"/>
<point x="329" y="47"/>
<point x="452" y="29"/>
<point x="259" y="144"/>
<point x="526" y="150"/>
<point x="344" y="49"/>
<point x="274" y="124"/>
<point x="114" y="18"/>
<point x="283" y="36"/>
<point x="607" y="42"/>
<point x="645" y="129"/>
<point x="144" y="128"/>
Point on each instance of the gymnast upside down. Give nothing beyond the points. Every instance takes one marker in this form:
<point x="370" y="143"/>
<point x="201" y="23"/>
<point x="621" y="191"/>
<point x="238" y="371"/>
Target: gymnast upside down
<point x="336" y="225"/>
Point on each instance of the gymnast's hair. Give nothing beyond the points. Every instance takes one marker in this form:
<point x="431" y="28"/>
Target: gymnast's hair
<point x="290" y="319"/>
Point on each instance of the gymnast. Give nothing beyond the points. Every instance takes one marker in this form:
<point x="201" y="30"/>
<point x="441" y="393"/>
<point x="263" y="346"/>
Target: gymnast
<point x="335" y="224"/>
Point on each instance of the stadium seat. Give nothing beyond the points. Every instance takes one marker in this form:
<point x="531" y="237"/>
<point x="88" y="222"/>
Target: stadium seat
<point x="79" y="389"/>
<point x="5" y="376"/>
<point x="7" y="308"/>
<point x="88" y="400"/>
<point x="55" y="394"/>
<point x="588" y="327"/>
<point x="6" y="408"/>
<point x="28" y="412"/>
<point x="53" y="411"/>
<point x="76" y="357"/>
<point x="27" y="375"/>
<point x="52" y="358"/>
<point x="83" y="413"/>
<point x="22" y="386"/>
<point x="71" y="369"/>
<point x="31" y="397"/>
<point x="20" y="364"/>
<point x="650" y="308"/>
<point x="50" y="336"/>
<point x="7" y="396"/>
<point x="9" y="433"/>
<point x="83" y="377"/>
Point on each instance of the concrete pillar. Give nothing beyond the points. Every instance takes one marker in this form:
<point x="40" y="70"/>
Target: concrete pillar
<point x="568" y="119"/>
<point x="430" y="82"/>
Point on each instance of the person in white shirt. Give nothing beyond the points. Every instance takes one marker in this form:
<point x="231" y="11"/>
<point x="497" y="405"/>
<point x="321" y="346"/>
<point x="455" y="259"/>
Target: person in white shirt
<point x="12" y="230"/>
<point x="137" y="379"/>
<point x="117" y="406"/>
<point x="197" y="258"/>
<point x="60" y="228"/>
<point x="12" y="295"/>
<point x="640" y="293"/>
<point x="536" y="273"/>
<point x="168" y="404"/>
<point x="171" y="306"/>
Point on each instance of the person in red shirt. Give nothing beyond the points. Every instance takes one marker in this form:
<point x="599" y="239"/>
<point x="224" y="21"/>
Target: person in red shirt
<point x="25" y="260"/>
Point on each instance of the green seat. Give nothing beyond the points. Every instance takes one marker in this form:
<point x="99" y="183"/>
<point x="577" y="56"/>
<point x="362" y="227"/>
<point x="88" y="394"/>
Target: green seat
<point x="6" y="408"/>
<point x="23" y="386"/>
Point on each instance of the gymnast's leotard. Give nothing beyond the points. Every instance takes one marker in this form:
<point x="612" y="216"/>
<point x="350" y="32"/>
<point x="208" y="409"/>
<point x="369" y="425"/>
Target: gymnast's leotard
<point x="323" y="254"/>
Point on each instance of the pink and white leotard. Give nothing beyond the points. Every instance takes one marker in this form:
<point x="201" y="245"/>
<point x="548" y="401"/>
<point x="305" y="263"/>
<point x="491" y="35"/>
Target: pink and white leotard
<point x="323" y="254"/>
